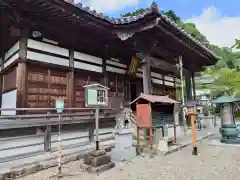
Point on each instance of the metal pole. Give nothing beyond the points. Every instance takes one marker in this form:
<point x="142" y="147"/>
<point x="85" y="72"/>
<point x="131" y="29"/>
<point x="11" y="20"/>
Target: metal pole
<point x="97" y="127"/>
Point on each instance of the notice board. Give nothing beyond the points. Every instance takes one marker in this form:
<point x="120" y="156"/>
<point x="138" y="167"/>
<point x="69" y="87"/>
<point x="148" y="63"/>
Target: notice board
<point x="144" y="115"/>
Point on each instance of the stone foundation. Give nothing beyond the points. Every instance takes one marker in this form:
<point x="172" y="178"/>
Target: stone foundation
<point x="97" y="161"/>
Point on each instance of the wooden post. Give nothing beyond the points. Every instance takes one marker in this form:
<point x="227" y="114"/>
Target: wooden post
<point x="104" y="69"/>
<point x="188" y="86"/>
<point x="22" y="71"/>
<point x="104" y="66"/>
<point x="47" y="138"/>
<point x="174" y="124"/>
<point x="146" y="75"/>
<point x="71" y="83"/>
<point x="151" y="132"/>
<point x="192" y="114"/>
<point x="193" y="86"/>
<point x="1" y="78"/>
<point x="164" y="89"/>
<point x="138" y="140"/>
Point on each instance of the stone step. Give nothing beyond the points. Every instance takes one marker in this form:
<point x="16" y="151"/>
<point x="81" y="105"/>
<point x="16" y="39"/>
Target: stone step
<point x="97" y="153"/>
<point x="101" y="168"/>
<point x="99" y="161"/>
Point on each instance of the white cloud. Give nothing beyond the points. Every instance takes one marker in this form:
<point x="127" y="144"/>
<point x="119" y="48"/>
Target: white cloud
<point x="109" y="5"/>
<point x="220" y="30"/>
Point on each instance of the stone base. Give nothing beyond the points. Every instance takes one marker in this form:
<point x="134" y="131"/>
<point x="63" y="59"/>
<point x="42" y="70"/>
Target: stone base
<point x="162" y="145"/>
<point x="230" y="141"/>
<point x="122" y="154"/>
<point x="99" y="169"/>
<point x="217" y="142"/>
<point x="97" y="161"/>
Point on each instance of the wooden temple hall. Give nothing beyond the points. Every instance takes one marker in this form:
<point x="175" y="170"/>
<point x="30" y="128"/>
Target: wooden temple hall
<point x="52" y="48"/>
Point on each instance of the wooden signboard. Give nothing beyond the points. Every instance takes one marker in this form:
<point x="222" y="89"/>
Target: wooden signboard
<point x="144" y="115"/>
<point x="134" y="65"/>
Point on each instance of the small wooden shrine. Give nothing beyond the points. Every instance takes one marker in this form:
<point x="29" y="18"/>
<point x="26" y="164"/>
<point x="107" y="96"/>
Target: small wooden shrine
<point x="149" y="109"/>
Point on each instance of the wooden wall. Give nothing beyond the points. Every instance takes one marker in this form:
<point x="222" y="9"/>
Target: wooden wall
<point x="116" y="90"/>
<point x="157" y="89"/>
<point x="44" y="85"/>
<point x="81" y="79"/>
<point x="115" y="85"/>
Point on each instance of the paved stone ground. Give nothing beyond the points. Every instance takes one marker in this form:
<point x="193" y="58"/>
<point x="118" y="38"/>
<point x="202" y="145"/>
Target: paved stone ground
<point x="213" y="163"/>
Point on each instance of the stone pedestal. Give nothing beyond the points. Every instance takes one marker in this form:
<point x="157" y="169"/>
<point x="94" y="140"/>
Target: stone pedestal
<point x="98" y="161"/>
<point x="123" y="150"/>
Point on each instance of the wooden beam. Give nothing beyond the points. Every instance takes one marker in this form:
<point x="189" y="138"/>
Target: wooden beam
<point x="22" y="71"/>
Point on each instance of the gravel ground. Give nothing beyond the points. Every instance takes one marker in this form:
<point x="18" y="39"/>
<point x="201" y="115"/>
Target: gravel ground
<point x="213" y="163"/>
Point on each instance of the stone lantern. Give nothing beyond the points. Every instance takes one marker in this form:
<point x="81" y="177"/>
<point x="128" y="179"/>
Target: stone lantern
<point x="228" y="130"/>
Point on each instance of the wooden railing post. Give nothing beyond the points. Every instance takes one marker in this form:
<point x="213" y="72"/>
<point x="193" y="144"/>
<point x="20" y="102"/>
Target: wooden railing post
<point x="47" y="136"/>
<point x="138" y="141"/>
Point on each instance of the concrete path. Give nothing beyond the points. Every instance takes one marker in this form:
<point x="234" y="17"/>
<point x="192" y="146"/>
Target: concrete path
<point x="212" y="163"/>
<point x="45" y="160"/>
<point x="186" y="140"/>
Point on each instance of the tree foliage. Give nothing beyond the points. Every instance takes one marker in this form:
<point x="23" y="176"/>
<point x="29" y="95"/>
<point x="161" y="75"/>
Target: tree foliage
<point x="237" y="44"/>
<point x="137" y="12"/>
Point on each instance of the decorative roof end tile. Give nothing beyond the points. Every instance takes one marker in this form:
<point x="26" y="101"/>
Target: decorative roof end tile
<point x="154" y="7"/>
<point x="79" y="5"/>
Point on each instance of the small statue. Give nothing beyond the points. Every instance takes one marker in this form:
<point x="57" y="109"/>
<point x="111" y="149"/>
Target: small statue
<point x="123" y="120"/>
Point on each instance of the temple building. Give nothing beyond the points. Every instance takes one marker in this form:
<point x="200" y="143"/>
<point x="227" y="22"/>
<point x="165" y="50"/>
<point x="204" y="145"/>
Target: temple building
<point x="52" y="48"/>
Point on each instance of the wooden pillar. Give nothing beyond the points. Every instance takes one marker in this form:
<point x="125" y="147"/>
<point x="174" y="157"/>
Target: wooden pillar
<point x="47" y="138"/>
<point x="175" y="88"/>
<point x="193" y="85"/>
<point x="104" y="71"/>
<point x="188" y="86"/>
<point x="147" y="83"/>
<point x="22" y="71"/>
<point x="104" y="67"/>
<point x="1" y="77"/>
<point x="71" y="82"/>
<point x="164" y="89"/>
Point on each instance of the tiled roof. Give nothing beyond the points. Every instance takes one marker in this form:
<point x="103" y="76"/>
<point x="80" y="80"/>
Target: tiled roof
<point x="155" y="99"/>
<point x="130" y="19"/>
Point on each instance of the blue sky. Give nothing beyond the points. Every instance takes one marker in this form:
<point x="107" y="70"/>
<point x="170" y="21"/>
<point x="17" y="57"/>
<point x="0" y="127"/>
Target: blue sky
<point x="187" y="8"/>
<point x="218" y="20"/>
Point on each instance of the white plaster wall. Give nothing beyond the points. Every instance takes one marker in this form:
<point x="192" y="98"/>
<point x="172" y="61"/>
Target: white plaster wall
<point x="9" y="100"/>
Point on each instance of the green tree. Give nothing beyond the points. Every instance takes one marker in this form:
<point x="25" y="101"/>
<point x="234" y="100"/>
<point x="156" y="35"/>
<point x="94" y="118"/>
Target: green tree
<point x="172" y="16"/>
<point x="137" y="12"/>
<point x="191" y="29"/>
<point x="237" y="44"/>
